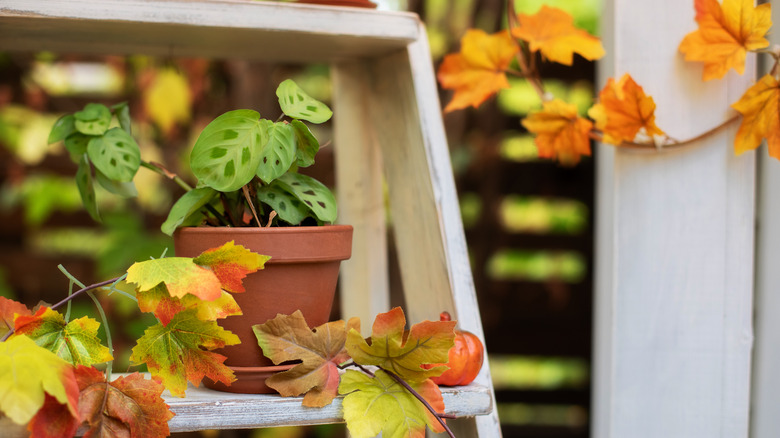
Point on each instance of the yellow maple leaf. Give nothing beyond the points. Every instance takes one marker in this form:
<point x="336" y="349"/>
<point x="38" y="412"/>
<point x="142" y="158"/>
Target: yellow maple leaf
<point x="168" y="99"/>
<point x="560" y="133"/>
<point x="478" y="70"/>
<point x="760" y="109"/>
<point x="623" y="111"/>
<point x="726" y="33"/>
<point x="552" y="31"/>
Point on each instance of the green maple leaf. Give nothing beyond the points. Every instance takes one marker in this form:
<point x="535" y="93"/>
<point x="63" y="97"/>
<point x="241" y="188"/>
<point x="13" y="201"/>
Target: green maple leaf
<point x="180" y="275"/>
<point x="379" y="404"/>
<point x="27" y="373"/>
<point x="231" y="263"/>
<point x="8" y="310"/>
<point x="287" y="337"/>
<point x="129" y="406"/>
<point x="391" y="348"/>
<point x="175" y="353"/>
<point x="158" y="301"/>
<point x="76" y="341"/>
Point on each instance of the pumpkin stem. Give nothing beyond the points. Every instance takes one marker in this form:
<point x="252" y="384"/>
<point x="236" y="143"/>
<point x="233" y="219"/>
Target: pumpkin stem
<point x="445" y="316"/>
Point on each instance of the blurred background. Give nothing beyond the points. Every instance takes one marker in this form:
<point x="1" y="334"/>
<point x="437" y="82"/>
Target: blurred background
<point x="529" y="223"/>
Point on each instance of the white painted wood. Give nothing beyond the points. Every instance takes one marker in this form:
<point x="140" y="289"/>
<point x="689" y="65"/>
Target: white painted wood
<point x="364" y="278"/>
<point x="765" y="397"/>
<point x="247" y="29"/>
<point x="429" y="233"/>
<point x="677" y="336"/>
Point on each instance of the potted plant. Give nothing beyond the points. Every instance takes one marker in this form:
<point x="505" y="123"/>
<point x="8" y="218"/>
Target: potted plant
<point x="249" y="191"/>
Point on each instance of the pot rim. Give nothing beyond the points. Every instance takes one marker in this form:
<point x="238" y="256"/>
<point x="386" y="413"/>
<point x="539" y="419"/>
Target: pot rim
<point x="270" y="230"/>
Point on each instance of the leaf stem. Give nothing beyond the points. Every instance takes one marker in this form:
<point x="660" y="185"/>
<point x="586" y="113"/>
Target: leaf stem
<point x="109" y="344"/>
<point x="598" y="136"/>
<point x="248" y="198"/>
<point x="403" y="383"/>
<point x="523" y="56"/>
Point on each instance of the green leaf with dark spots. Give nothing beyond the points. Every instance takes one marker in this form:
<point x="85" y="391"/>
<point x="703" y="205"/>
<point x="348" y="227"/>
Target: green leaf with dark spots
<point x="93" y="119"/>
<point x="116" y="154"/>
<point x="287" y="207"/>
<point x="76" y="144"/>
<point x="189" y="205"/>
<point x="123" y="189"/>
<point x="122" y="113"/>
<point x="278" y="153"/>
<point x="226" y="155"/>
<point x="311" y="192"/>
<point x="297" y="104"/>
<point x="307" y="144"/>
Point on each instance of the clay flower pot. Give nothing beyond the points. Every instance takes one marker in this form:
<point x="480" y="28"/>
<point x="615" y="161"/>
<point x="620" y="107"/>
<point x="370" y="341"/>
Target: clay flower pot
<point x="301" y="275"/>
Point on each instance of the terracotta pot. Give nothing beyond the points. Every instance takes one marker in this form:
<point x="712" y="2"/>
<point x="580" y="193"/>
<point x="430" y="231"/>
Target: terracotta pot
<point x="353" y="3"/>
<point x="301" y="275"/>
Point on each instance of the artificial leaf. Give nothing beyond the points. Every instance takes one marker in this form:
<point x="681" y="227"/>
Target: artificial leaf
<point x="63" y="127"/>
<point x="173" y="352"/>
<point x="8" y="310"/>
<point x="189" y="205"/>
<point x="288" y="208"/>
<point x="552" y="31"/>
<point x="297" y="104"/>
<point x="726" y="33"/>
<point x="403" y="353"/>
<point x="27" y="372"/>
<point x="158" y="301"/>
<point x="231" y="263"/>
<point x="478" y="71"/>
<point x="306" y="144"/>
<point x="53" y="420"/>
<point x="288" y="337"/>
<point x="179" y="274"/>
<point x="168" y="100"/>
<point x="278" y="153"/>
<point x="93" y="119"/>
<point x="76" y="341"/>
<point x="760" y="109"/>
<point x="624" y="111"/>
<point x="116" y="154"/>
<point x="226" y="154"/>
<point x="560" y="133"/>
<point x="129" y="406"/>
<point x="87" y="188"/>
<point x="380" y="404"/>
<point x="311" y="192"/>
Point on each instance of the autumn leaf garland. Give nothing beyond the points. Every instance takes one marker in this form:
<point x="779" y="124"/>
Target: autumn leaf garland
<point x="624" y="114"/>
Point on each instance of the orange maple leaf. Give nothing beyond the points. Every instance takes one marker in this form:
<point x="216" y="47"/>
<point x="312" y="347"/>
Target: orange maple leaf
<point x="760" y="109"/>
<point x="560" y="133"/>
<point x="726" y="33"/>
<point x="478" y="70"/>
<point x="552" y="31"/>
<point x="623" y="111"/>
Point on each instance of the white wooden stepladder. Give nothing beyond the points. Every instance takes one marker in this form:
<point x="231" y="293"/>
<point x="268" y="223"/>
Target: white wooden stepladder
<point x="387" y="124"/>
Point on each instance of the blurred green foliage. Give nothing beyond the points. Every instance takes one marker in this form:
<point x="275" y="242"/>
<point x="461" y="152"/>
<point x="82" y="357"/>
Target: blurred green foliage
<point x="518" y="264"/>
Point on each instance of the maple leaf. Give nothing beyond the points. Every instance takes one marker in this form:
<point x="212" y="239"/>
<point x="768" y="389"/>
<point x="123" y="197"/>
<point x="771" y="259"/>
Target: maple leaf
<point x="760" y="109"/>
<point x="179" y="274"/>
<point x="380" y="404"/>
<point x="231" y="263"/>
<point x="76" y="341"/>
<point x="8" y="310"/>
<point x="726" y="33"/>
<point x="27" y="373"/>
<point x="391" y="348"/>
<point x="158" y="301"/>
<point x="288" y="337"/>
<point x="173" y="352"/>
<point x="623" y="111"/>
<point x="560" y="133"/>
<point x="129" y="406"/>
<point x="478" y="70"/>
<point x="53" y="420"/>
<point x="552" y="31"/>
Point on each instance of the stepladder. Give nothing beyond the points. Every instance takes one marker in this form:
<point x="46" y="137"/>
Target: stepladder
<point x="388" y="131"/>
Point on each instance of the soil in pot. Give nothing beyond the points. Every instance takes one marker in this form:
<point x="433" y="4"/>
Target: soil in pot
<point x="301" y="275"/>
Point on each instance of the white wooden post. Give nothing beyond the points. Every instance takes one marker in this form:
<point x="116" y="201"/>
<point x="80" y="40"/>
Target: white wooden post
<point x="765" y="418"/>
<point x="674" y="259"/>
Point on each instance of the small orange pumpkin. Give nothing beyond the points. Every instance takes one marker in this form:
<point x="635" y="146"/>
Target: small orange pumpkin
<point x="465" y="358"/>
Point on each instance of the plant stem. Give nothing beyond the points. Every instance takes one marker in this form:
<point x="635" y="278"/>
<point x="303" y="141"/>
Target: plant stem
<point x="438" y="416"/>
<point x="70" y="292"/>
<point x="251" y="205"/>
<point x="632" y="145"/>
<point x="110" y="344"/>
<point x="523" y="56"/>
<point x="159" y="169"/>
